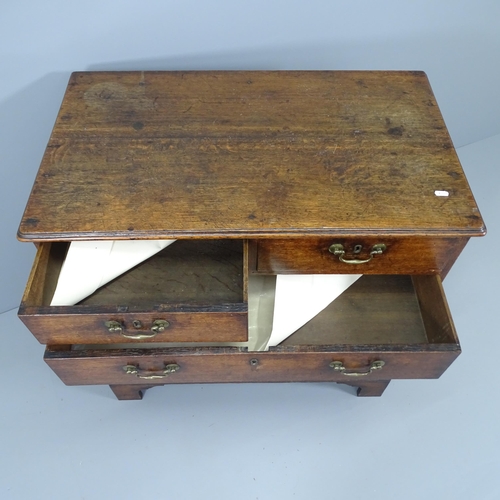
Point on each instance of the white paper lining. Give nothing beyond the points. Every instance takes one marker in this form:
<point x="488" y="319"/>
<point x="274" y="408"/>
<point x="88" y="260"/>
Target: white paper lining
<point x="300" y="297"/>
<point x="91" y="264"/>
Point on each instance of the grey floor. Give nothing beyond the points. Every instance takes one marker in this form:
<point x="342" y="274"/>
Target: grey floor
<point x="435" y="439"/>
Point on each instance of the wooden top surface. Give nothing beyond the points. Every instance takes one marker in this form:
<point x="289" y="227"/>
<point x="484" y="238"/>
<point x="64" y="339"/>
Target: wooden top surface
<point x="248" y="154"/>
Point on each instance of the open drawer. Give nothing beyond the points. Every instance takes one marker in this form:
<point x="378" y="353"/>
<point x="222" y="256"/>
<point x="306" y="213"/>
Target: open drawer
<point x="381" y="328"/>
<point x="192" y="291"/>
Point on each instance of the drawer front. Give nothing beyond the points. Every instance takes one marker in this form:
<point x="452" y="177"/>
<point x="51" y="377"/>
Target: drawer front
<point x="219" y="365"/>
<point x="404" y="255"/>
<point x="213" y="324"/>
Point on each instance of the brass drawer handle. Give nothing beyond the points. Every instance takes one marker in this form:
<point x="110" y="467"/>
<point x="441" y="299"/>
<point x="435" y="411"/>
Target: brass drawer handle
<point x="135" y="370"/>
<point x="114" y="326"/>
<point x="339" y="366"/>
<point x="338" y="250"/>
<point x="159" y="325"/>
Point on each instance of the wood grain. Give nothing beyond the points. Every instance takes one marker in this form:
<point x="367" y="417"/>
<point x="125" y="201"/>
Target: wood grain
<point x="403" y="255"/>
<point x="373" y="310"/>
<point x="248" y="154"/>
<point x="220" y="365"/>
<point x="383" y="310"/>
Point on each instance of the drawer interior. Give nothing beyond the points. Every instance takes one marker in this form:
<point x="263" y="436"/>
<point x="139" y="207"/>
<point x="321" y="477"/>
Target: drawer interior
<point x="375" y="310"/>
<point x="191" y="272"/>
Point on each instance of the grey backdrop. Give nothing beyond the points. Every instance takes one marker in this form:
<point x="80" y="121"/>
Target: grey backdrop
<point x="422" y="439"/>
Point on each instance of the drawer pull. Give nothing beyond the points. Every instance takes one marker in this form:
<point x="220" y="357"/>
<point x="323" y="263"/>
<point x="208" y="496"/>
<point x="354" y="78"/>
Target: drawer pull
<point x="159" y="325"/>
<point x="114" y="327"/>
<point x="338" y="250"/>
<point x="339" y="366"/>
<point x="135" y="370"/>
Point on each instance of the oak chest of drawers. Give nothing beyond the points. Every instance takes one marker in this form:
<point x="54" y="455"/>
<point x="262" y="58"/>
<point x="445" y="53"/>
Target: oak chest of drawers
<point x="256" y="174"/>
